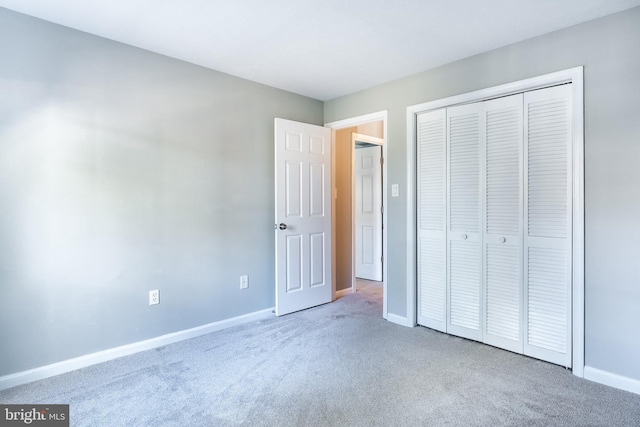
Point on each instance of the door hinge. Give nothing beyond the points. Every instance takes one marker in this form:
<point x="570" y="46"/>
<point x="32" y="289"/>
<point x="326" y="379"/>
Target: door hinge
<point x="382" y="160"/>
<point x="382" y="209"/>
<point x="382" y="259"/>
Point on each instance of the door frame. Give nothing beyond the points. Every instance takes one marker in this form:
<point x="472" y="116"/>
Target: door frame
<point x="572" y="75"/>
<point x="346" y="123"/>
<point x="358" y="137"/>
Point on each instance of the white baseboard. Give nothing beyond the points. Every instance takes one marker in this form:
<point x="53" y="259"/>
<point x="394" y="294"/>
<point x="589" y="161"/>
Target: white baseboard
<point x="69" y="365"/>
<point x="612" y="380"/>
<point x="399" y="320"/>
<point x="343" y="292"/>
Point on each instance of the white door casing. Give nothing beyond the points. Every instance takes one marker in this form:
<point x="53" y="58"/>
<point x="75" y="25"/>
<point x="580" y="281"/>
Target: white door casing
<point x="302" y="215"/>
<point x="368" y="213"/>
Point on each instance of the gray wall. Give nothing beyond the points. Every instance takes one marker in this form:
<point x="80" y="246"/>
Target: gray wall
<point x="123" y="171"/>
<point x="608" y="49"/>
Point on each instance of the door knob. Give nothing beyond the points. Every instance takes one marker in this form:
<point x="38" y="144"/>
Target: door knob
<point x="464" y="237"/>
<point x="503" y="239"/>
<point x="282" y="226"/>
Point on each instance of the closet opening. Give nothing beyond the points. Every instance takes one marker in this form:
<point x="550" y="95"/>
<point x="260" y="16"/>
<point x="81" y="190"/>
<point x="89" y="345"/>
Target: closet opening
<point x="495" y="217"/>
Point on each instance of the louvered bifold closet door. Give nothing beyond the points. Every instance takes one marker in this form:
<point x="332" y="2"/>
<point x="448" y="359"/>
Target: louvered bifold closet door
<point x="431" y="192"/>
<point x="503" y="287"/>
<point x="465" y="133"/>
<point x="548" y="213"/>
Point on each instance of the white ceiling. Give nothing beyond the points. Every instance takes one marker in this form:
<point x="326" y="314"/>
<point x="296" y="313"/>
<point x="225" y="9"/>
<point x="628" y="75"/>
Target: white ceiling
<point x="319" y="48"/>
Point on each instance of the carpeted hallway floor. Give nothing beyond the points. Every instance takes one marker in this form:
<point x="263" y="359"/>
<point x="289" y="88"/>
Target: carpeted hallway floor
<point x="339" y="364"/>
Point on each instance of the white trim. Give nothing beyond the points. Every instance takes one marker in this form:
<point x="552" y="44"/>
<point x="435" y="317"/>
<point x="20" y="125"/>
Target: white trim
<point x="69" y="365"/>
<point x="398" y="320"/>
<point x="539" y="82"/>
<point x="612" y="380"/>
<point x="334" y="196"/>
<point x="578" y="222"/>
<point x="352" y="153"/>
<point x="359" y="120"/>
<point x="412" y="227"/>
<point x="572" y="75"/>
<point x="355" y="137"/>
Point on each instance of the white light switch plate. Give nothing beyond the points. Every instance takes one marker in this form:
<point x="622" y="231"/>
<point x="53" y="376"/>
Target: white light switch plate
<point x="395" y="192"/>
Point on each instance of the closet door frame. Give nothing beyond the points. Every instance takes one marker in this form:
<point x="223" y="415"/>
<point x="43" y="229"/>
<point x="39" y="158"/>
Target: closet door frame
<point x="573" y="76"/>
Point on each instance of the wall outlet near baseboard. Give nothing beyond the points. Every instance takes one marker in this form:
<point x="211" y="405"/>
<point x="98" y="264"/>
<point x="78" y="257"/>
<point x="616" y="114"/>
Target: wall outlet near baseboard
<point x="154" y="297"/>
<point x="244" y="282"/>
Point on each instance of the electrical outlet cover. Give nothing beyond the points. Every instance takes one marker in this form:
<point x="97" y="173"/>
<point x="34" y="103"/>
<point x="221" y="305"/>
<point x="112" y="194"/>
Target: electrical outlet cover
<point x="244" y="282"/>
<point x="154" y="297"/>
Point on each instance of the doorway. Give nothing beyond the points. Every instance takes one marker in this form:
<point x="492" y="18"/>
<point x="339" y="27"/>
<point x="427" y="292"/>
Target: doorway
<point x="370" y="128"/>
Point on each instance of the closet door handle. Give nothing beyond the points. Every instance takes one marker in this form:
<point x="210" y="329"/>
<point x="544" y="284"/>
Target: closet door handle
<point x="502" y="239"/>
<point x="464" y="236"/>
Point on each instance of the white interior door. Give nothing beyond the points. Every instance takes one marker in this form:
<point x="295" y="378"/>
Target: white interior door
<point x="368" y="206"/>
<point x="302" y="215"/>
